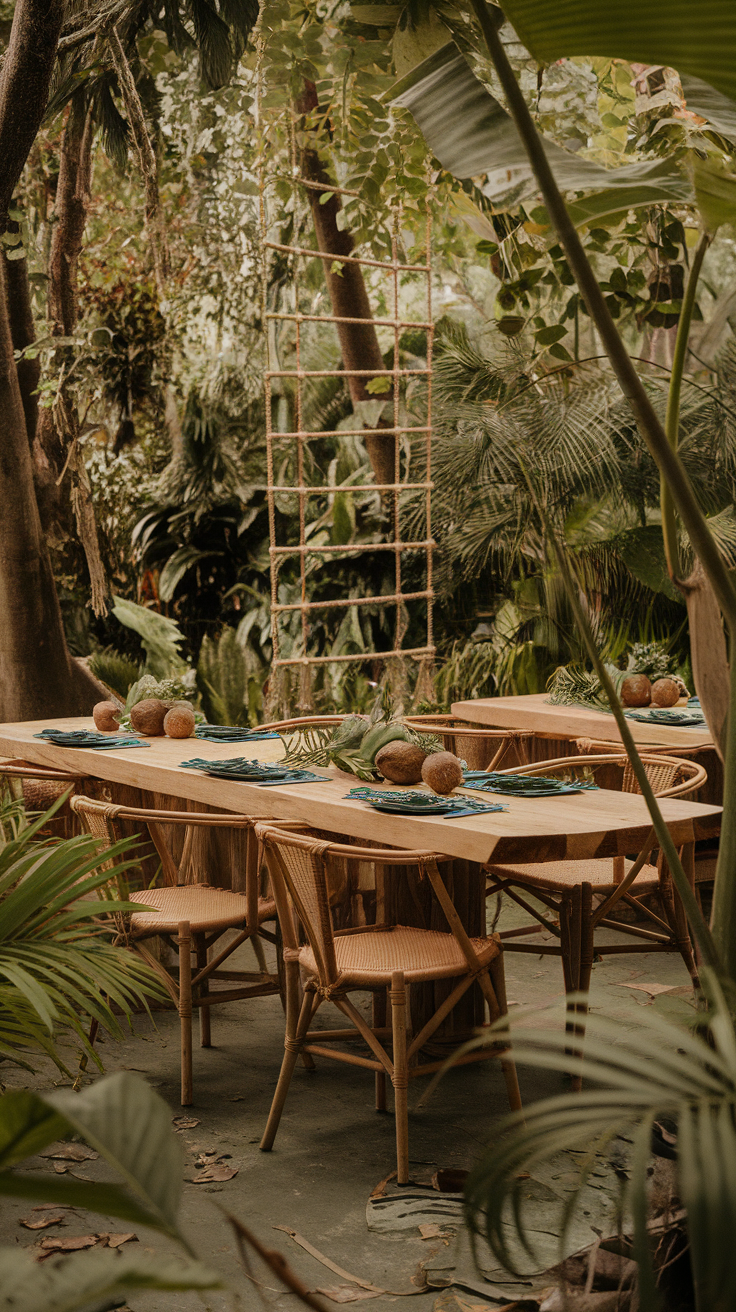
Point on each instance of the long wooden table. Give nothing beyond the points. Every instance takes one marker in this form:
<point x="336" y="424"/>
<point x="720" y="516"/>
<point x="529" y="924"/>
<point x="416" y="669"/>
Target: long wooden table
<point x="573" y="827"/>
<point x="577" y="826"/>
<point x="559" y="722"/>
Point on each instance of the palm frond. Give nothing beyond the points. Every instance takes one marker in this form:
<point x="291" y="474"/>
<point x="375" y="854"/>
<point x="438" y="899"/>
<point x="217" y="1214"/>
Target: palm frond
<point x="658" y="1069"/>
<point x="59" y="966"/>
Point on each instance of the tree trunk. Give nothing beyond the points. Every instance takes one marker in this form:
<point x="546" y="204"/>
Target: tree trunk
<point x="349" y="298"/>
<point x="38" y="677"/>
<point x="62" y="484"/>
<point x="708" y="654"/>
<point x="23" y="333"/>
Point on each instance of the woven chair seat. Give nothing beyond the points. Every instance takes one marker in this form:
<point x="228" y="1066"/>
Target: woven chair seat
<point x="204" y="908"/>
<point x="561" y="875"/>
<point x="422" y="954"/>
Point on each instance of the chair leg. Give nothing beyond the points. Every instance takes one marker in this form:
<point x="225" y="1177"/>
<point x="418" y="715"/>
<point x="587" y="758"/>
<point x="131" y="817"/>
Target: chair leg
<point x="260" y="955"/>
<point x="581" y="965"/>
<point x="293" y="1041"/>
<point x="379" y="1019"/>
<point x="205" y="1030"/>
<point x="493" y="984"/>
<point x="185" y="1011"/>
<point x="400" y="1077"/>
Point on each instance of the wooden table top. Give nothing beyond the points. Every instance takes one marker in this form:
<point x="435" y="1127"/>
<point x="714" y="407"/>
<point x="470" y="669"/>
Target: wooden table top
<point x="576" y="826"/>
<point x="534" y="712"/>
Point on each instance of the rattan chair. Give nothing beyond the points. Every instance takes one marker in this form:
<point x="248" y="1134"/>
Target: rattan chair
<point x="482" y="749"/>
<point x="192" y="917"/>
<point x="379" y="958"/>
<point x="582" y="894"/>
<point x="40" y="786"/>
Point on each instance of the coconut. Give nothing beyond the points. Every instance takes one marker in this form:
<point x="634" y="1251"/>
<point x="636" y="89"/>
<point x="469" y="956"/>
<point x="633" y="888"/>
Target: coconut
<point x="665" y="692"/>
<point x="636" y="690"/>
<point x="401" y="762"/>
<point x="147" y="717"/>
<point x="179" y="722"/>
<point x="442" y="771"/>
<point x="105" y="715"/>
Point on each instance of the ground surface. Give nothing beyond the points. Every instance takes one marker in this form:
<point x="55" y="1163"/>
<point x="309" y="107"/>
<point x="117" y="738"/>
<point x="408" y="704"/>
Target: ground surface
<point x="332" y="1148"/>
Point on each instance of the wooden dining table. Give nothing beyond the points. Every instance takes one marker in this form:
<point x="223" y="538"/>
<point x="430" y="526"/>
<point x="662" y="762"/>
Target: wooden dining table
<point x="555" y="730"/>
<point x="577" y="826"/>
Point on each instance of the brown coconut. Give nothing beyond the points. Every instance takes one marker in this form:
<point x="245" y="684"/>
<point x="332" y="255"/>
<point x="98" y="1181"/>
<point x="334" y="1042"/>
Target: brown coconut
<point x="401" y="762"/>
<point x="106" y="716"/>
<point x="442" y="771"/>
<point x="665" y="692"/>
<point x="147" y="717"/>
<point x="179" y="722"/>
<point x="636" y="690"/>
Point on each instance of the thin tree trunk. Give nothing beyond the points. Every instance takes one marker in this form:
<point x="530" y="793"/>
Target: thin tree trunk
<point x="61" y="476"/>
<point x="349" y="299"/>
<point x="708" y="654"/>
<point x="23" y="333"/>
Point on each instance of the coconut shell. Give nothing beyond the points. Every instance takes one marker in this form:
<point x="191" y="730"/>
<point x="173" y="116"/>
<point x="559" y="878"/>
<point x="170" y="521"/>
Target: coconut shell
<point x="401" y="762"/>
<point x="636" y="690"/>
<point x="179" y="722"/>
<point x="665" y="692"/>
<point x="443" y="772"/>
<point x="106" y="716"/>
<point x="147" y="717"/>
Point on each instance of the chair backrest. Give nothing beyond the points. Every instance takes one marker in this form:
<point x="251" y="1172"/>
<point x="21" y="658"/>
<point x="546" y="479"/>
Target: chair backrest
<point x="669" y="776"/>
<point x="483" y="748"/>
<point x="301" y="722"/>
<point x="298" y="865"/>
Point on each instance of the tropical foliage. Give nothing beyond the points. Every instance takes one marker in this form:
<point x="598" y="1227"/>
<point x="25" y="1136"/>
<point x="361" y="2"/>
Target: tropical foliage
<point x="59" y="970"/>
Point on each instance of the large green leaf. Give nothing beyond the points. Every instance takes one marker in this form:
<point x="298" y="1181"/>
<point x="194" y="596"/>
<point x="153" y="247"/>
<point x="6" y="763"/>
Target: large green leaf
<point x="715" y="192"/>
<point x="125" y="1121"/>
<point x="471" y="134"/>
<point x="78" y="1280"/>
<point x="160" y="636"/>
<point x="130" y="1126"/>
<point x="719" y="110"/>
<point x="642" y="551"/>
<point x="693" y="36"/>
<point x="27" y="1125"/>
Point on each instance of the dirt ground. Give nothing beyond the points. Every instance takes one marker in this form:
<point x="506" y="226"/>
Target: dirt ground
<point x="333" y="1148"/>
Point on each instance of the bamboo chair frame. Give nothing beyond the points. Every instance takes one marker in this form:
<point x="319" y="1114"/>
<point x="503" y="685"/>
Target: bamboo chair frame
<point x="458" y="734"/>
<point x="579" y="907"/>
<point x="198" y="917"/>
<point x="25" y="770"/>
<point x="298" y="868"/>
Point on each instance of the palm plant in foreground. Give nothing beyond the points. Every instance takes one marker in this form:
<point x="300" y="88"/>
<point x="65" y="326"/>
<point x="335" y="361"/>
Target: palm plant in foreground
<point x="653" y="1072"/>
<point x="59" y="969"/>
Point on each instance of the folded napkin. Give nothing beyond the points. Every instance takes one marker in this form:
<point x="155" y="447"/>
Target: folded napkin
<point x="230" y="733"/>
<point x="406" y="803"/>
<point x="520" y="785"/>
<point x="667" y="715"/>
<point x="100" y="742"/>
<point x="253" y="772"/>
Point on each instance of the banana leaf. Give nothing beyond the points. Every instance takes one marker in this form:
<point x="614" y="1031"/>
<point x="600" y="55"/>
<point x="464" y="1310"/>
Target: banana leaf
<point x="471" y="134"/>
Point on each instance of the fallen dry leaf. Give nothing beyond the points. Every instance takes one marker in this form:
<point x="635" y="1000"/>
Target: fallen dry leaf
<point x="42" y="1222"/>
<point x="68" y="1243"/>
<point x="652" y="989"/>
<point x="70" y="1152"/>
<point x="184" y="1122"/>
<point x="347" y="1293"/>
<point x="430" y="1230"/>
<point x="214" y="1172"/>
